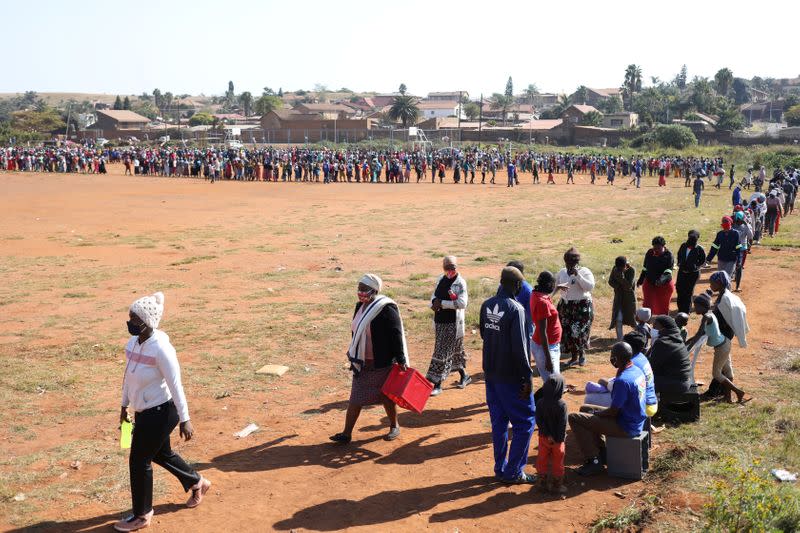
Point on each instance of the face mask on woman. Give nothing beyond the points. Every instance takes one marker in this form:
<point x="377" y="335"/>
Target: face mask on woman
<point x="451" y="274"/>
<point x="134" y="329"/>
<point x="365" y="296"/>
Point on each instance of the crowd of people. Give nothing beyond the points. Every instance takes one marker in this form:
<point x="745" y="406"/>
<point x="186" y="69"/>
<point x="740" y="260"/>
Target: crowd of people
<point x="525" y="332"/>
<point x="358" y="164"/>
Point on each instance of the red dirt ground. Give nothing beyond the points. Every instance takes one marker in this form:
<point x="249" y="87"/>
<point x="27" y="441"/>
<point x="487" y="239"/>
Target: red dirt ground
<point x="288" y="476"/>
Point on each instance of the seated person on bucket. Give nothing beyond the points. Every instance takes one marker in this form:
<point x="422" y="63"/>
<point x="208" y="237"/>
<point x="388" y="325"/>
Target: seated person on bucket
<point x="508" y="375"/>
<point x="599" y="394"/>
<point x="625" y="417"/>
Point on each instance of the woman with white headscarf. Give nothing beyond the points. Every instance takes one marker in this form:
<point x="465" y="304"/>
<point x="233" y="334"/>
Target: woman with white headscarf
<point x="378" y="341"/>
<point x="152" y="389"/>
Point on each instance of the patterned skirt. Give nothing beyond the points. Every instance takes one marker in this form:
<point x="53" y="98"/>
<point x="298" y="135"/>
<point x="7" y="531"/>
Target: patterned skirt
<point x="448" y="353"/>
<point x="366" y="387"/>
<point x="576" y="323"/>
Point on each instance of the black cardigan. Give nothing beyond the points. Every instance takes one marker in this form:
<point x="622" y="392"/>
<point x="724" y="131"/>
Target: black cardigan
<point x="387" y="336"/>
<point x="693" y="261"/>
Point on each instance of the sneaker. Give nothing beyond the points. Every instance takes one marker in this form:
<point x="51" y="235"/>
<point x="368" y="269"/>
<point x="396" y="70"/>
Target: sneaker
<point x="393" y="433"/>
<point x="466" y="380"/>
<point x="592" y="467"/>
<point x="342" y="438"/>
<point x="134" y="523"/>
<point x="521" y="479"/>
<point x="198" y="491"/>
<point x="437" y="390"/>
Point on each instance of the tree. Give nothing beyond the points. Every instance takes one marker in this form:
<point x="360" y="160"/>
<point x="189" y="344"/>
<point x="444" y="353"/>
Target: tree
<point x="509" y="87"/>
<point x="674" y="136"/>
<point x="47" y="121"/>
<point x="501" y="101"/>
<point x="268" y="91"/>
<point x="144" y="97"/>
<point x="730" y="119"/>
<point x="651" y="105"/>
<point x="723" y="80"/>
<point x="230" y="96"/>
<point x="741" y="93"/>
<point x="321" y="91"/>
<point x="402" y="89"/>
<point x="117" y="103"/>
<point x="472" y="110"/>
<point x="632" y="83"/>
<point x="168" y="99"/>
<point x="592" y="118"/>
<point x="280" y="92"/>
<point x="702" y="97"/>
<point x="792" y="115"/>
<point x="267" y="103"/>
<point x="612" y="104"/>
<point x="404" y="108"/>
<point x="564" y="101"/>
<point x="246" y="101"/>
<point x="579" y="96"/>
<point x="158" y="99"/>
<point x="126" y="103"/>
<point x="146" y="109"/>
<point x="201" y="119"/>
<point x="530" y="91"/>
<point x="680" y="79"/>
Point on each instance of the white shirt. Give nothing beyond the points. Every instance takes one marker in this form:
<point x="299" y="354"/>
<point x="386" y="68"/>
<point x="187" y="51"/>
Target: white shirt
<point x="153" y="375"/>
<point x="579" y="287"/>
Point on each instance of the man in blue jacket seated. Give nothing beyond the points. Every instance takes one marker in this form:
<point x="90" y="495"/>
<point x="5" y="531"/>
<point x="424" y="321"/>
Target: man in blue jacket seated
<point x="508" y="376"/>
<point x="625" y="417"/>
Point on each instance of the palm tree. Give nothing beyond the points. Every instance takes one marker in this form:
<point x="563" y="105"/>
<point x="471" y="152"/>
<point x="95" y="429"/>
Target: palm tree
<point x="564" y="101"/>
<point x="723" y="80"/>
<point x="501" y="101"/>
<point x="530" y="91"/>
<point x="404" y="108"/>
<point x="632" y="83"/>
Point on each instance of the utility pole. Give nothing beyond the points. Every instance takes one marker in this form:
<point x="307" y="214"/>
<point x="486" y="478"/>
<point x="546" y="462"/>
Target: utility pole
<point x="66" y="133"/>
<point x="480" y="121"/>
<point x="460" y="96"/>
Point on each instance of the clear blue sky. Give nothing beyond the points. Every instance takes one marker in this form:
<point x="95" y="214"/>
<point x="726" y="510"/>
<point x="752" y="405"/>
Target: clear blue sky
<point x="196" y="46"/>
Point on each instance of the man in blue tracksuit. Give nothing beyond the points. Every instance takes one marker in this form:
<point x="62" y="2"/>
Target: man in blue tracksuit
<point x="508" y="376"/>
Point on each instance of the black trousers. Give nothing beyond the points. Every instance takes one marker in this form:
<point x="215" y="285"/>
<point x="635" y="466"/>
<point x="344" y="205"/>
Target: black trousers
<point x="684" y="287"/>
<point x="151" y="445"/>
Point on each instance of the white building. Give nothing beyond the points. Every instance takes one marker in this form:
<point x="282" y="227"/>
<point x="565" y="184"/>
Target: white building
<point x="439" y="109"/>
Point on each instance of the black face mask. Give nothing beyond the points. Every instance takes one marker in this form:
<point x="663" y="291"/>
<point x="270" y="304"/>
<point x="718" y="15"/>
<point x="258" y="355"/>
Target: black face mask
<point x="134" y="329"/>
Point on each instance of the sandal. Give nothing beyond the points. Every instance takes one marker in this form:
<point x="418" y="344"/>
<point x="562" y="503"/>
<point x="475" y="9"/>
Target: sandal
<point x="393" y="433"/>
<point x="342" y="438"/>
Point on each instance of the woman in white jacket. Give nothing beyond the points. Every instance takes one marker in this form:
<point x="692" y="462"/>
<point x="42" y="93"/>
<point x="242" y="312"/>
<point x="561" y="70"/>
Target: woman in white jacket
<point x="152" y="389"/>
<point x="449" y="302"/>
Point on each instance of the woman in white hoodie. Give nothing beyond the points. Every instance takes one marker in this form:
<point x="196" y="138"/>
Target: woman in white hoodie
<point x="152" y="389"/>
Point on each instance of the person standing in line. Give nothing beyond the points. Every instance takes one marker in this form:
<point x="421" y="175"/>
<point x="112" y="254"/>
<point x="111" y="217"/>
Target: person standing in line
<point x="575" y="308"/>
<point x="152" y="388"/>
<point x="449" y="302"/>
<point x="698" y="187"/>
<point x="546" y="345"/>
<point x="726" y="246"/>
<point x="511" y="170"/>
<point x="508" y="374"/>
<point x="656" y="277"/>
<point x="691" y="258"/>
<point x="524" y="299"/>
<point x="622" y="280"/>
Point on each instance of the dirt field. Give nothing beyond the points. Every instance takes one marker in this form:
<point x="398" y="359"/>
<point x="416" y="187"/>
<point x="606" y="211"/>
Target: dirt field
<point x="258" y="273"/>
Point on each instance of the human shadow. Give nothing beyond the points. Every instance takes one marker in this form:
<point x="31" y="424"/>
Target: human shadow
<point x="274" y="455"/>
<point x="383" y="507"/>
<point x="417" y="451"/>
<point x="322" y="409"/>
<point x="95" y="523"/>
<point x="507" y="500"/>
<point x="433" y="417"/>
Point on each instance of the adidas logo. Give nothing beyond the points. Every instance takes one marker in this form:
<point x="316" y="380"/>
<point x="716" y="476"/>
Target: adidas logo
<point x="494" y="314"/>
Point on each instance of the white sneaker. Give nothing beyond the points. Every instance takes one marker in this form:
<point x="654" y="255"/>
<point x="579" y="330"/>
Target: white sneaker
<point x="134" y="523"/>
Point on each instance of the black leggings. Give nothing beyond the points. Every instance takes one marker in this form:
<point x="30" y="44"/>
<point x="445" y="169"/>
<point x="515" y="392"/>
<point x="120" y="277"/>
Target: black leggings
<point x="684" y="286"/>
<point x="151" y="444"/>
